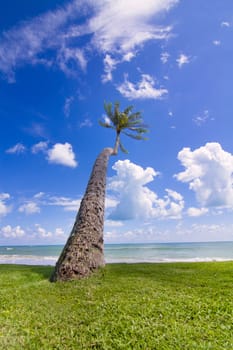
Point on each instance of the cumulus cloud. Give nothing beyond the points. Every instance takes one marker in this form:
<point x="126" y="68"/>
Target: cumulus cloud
<point x="41" y="232"/>
<point x="113" y="27"/>
<point x="29" y="208"/>
<point x="62" y="154"/>
<point x="194" y="212"/>
<point x="182" y="59"/>
<point x="4" y="209"/>
<point x="16" y="149"/>
<point x="144" y="89"/>
<point x="135" y="199"/>
<point x="12" y="232"/>
<point x="209" y="173"/>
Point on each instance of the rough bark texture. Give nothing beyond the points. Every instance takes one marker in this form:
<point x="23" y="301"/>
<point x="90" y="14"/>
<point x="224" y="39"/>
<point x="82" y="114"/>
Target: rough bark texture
<point x="83" y="252"/>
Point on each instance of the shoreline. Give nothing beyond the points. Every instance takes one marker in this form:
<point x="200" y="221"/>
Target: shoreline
<point x="46" y="261"/>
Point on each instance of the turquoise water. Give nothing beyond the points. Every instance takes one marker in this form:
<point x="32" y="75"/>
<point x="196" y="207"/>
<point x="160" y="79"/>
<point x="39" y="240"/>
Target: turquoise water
<point x="128" y="253"/>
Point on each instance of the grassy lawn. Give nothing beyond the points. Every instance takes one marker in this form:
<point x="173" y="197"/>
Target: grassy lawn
<point x="125" y="306"/>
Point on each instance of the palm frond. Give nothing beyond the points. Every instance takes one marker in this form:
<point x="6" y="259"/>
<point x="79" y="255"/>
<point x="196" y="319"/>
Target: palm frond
<point x="138" y="129"/>
<point x="128" y="110"/>
<point x="105" y="124"/>
<point x="135" y="137"/>
<point x="108" y="109"/>
<point x="122" y="121"/>
<point x="135" y="116"/>
<point x="123" y="149"/>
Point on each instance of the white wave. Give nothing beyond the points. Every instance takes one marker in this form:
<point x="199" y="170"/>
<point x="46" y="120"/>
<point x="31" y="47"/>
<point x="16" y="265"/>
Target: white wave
<point x="28" y="259"/>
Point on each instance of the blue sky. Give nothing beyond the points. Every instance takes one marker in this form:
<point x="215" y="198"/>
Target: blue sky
<point x="170" y="59"/>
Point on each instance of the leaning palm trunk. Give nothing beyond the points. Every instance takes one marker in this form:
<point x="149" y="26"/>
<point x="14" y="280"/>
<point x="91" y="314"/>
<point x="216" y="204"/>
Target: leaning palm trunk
<point x="83" y="252"/>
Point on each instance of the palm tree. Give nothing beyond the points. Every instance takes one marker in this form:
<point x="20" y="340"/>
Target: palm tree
<point x="84" y="249"/>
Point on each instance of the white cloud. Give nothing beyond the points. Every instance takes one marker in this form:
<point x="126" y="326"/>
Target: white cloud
<point x="67" y="203"/>
<point x="27" y="42"/>
<point x="128" y="56"/>
<point x="62" y="154"/>
<point x="12" y="232"/>
<point x="39" y="195"/>
<point x="29" y="208"/>
<point x="114" y="27"/>
<point x="121" y="26"/>
<point x="144" y="89"/>
<point x="68" y="103"/>
<point x="17" y="149"/>
<point x="4" y="209"/>
<point x="109" y="66"/>
<point x="225" y="24"/>
<point x="135" y="199"/>
<point x="195" y="212"/>
<point x="42" y="233"/>
<point x="164" y="57"/>
<point x="59" y="232"/>
<point x="182" y="59"/>
<point x="112" y="223"/>
<point x="110" y="202"/>
<point x="209" y="172"/>
<point x="40" y="147"/>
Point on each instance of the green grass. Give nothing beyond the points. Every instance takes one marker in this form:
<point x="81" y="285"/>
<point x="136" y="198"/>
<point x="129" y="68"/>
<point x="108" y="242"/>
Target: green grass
<point x="138" y="306"/>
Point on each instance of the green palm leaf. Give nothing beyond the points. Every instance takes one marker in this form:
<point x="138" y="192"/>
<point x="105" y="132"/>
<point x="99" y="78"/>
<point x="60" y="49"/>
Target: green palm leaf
<point x="121" y="121"/>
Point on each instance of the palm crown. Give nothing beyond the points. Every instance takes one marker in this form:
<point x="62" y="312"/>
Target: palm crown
<point x="122" y="121"/>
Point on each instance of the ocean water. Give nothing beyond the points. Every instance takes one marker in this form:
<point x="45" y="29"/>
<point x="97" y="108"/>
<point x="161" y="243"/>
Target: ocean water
<point x="128" y="253"/>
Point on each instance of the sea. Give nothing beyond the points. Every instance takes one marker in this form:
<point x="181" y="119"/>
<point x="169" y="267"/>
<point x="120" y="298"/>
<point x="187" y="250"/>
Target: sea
<point x="125" y="253"/>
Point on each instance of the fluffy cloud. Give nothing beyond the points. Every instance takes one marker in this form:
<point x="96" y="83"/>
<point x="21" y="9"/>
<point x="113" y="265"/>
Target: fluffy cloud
<point x="194" y="212"/>
<point x="4" y="209"/>
<point x="17" y="149"/>
<point x="182" y="59"/>
<point x="114" y="27"/>
<point x="62" y="154"/>
<point x="144" y="89"/>
<point x="40" y="232"/>
<point x="12" y="232"/>
<point x="29" y="208"/>
<point x="137" y="201"/>
<point x="209" y="172"/>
